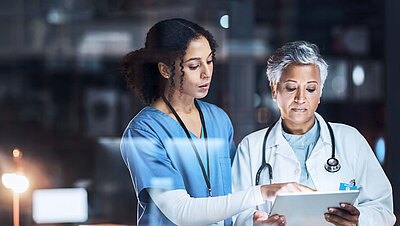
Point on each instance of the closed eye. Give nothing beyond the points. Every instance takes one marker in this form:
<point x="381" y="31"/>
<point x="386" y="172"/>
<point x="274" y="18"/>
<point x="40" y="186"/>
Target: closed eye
<point x="311" y="90"/>
<point x="290" y="89"/>
<point x="194" y="67"/>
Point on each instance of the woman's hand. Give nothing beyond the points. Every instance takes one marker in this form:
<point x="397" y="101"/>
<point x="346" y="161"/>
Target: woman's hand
<point x="262" y="218"/>
<point x="345" y="215"/>
<point x="269" y="192"/>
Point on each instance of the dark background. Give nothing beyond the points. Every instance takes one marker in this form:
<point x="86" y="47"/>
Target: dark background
<point x="64" y="104"/>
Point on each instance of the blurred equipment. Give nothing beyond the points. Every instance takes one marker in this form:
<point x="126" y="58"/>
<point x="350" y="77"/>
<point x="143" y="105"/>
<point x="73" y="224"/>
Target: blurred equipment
<point x="101" y="112"/>
<point x="336" y="86"/>
<point x="112" y="194"/>
<point x="65" y="205"/>
<point x="353" y="40"/>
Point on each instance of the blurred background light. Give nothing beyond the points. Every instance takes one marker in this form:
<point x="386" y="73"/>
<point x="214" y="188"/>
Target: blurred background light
<point x="18" y="183"/>
<point x="224" y="21"/>
<point x="380" y="150"/>
<point x="65" y="205"/>
<point x="358" y="75"/>
<point x="17" y="153"/>
<point x="114" y="43"/>
<point x="56" y="16"/>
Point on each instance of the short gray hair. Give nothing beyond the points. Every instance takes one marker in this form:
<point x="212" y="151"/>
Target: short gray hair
<point x="299" y="52"/>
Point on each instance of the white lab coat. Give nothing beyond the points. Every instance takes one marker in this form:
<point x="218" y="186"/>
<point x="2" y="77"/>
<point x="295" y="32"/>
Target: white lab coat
<point x="375" y="201"/>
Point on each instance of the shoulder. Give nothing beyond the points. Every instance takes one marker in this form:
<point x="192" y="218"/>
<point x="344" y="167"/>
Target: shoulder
<point x="214" y="112"/>
<point x="141" y="132"/>
<point x="146" y="120"/>
<point x="253" y="137"/>
<point x="345" y="131"/>
<point x="351" y="141"/>
<point x="212" y="108"/>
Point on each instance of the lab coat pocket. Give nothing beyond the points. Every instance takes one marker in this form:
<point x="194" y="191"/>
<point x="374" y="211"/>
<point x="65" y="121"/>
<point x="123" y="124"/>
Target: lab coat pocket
<point x="326" y="181"/>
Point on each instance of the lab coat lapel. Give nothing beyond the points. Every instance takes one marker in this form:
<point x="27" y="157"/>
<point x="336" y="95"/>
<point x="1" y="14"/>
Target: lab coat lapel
<point x="277" y="142"/>
<point x="283" y="160"/>
<point x="323" y="180"/>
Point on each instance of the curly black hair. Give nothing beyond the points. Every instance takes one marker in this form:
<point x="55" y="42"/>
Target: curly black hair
<point x="166" y="42"/>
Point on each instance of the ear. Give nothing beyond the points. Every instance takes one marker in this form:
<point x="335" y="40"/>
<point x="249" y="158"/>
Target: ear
<point x="273" y="90"/>
<point x="164" y="70"/>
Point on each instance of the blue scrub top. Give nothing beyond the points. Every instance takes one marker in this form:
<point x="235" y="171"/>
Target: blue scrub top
<point x="158" y="154"/>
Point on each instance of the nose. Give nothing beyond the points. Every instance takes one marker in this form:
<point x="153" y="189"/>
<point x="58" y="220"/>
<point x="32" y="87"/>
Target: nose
<point x="206" y="71"/>
<point x="300" y="96"/>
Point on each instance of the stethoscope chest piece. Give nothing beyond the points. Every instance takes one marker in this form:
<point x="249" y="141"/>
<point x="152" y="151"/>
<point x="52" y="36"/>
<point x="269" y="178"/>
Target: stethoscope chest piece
<point x="332" y="165"/>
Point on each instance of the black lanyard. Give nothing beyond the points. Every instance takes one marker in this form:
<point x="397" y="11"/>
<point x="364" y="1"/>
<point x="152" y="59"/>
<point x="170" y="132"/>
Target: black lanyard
<point x="206" y="178"/>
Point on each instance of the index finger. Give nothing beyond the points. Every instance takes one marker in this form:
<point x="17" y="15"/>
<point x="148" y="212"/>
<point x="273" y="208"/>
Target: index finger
<point x="350" y="208"/>
<point x="304" y="188"/>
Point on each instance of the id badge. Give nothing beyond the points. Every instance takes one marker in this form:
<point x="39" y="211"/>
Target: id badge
<point x="347" y="186"/>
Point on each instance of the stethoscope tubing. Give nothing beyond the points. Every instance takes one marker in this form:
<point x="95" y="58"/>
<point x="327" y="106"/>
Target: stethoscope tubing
<point x="332" y="164"/>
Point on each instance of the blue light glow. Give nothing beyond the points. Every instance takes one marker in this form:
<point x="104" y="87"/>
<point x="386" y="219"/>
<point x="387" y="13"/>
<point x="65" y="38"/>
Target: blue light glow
<point x="380" y="150"/>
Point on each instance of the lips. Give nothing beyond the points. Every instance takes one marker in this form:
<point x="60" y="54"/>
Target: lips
<point x="299" y="109"/>
<point x="205" y="86"/>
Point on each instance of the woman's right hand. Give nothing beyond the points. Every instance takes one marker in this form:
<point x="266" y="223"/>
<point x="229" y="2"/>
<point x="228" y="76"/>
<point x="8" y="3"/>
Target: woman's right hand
<point x="261" y="218"/>
<point x="269" y="192"/>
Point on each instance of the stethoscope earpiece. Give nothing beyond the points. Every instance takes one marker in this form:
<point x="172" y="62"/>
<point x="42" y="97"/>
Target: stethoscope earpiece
<point x="332" y="165"/>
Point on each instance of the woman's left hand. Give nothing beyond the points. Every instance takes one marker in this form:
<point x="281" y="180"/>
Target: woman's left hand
<point x="345" y="215"/>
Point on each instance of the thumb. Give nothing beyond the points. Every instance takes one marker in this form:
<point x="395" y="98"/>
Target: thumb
<point x="260" y="215"/>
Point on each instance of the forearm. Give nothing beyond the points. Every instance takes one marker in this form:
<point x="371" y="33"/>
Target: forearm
<point x="244" y="218"/>
<point x="374" y="215"/>
<point x="182" y="209"/>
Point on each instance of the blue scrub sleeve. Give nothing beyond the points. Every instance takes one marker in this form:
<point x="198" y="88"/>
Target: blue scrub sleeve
<point x="148" y="163"/>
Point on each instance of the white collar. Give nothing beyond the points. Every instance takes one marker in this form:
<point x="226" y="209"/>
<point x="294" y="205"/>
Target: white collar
<point x="276" y="138"/>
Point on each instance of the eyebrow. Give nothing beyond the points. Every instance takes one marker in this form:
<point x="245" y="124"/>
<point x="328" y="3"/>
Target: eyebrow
<point x="196" y="58"/>
<point x="296" y="81"/>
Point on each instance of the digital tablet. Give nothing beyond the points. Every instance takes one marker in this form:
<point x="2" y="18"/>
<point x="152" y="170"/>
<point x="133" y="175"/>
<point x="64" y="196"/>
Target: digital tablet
<point x="309" y="208"/>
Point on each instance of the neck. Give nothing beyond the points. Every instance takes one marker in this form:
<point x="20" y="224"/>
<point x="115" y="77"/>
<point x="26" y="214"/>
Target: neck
<point x="181" y="103"/>
<point x="297" y="129"/>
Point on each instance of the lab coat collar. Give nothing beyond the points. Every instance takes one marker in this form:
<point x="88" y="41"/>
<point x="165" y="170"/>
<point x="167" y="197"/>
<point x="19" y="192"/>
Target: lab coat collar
<point x="324" y="131"/>
<point x="276" y="138"/>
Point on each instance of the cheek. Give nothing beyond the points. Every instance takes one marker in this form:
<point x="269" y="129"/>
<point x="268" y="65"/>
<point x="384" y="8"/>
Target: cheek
<point x="285" y="98"/>
<point x="284" y="102"/>
<point x="314" y="100"/>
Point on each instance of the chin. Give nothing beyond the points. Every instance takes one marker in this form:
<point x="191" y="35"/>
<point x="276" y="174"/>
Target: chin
<point x="304" y="120"/>
<point x="300" y="119"/>
<point x="200" y="96"/>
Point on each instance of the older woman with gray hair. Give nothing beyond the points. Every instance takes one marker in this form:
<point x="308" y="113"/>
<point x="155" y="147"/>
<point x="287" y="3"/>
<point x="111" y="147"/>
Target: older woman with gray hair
<point x="303" y="149"/>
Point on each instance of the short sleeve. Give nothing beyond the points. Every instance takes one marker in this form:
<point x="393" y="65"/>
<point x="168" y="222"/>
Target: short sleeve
<point x="148" y="163"/>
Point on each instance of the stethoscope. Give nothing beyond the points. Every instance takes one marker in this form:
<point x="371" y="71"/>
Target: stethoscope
<point x="332" y="164"/>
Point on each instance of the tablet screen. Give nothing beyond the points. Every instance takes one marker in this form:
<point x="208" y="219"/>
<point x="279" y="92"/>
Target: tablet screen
<point x="309" y="208"/>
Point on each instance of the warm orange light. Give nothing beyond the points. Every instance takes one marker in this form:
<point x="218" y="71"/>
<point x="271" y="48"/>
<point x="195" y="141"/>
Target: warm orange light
<point x="18" y="183"/>
<point x="17" y="153"/>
